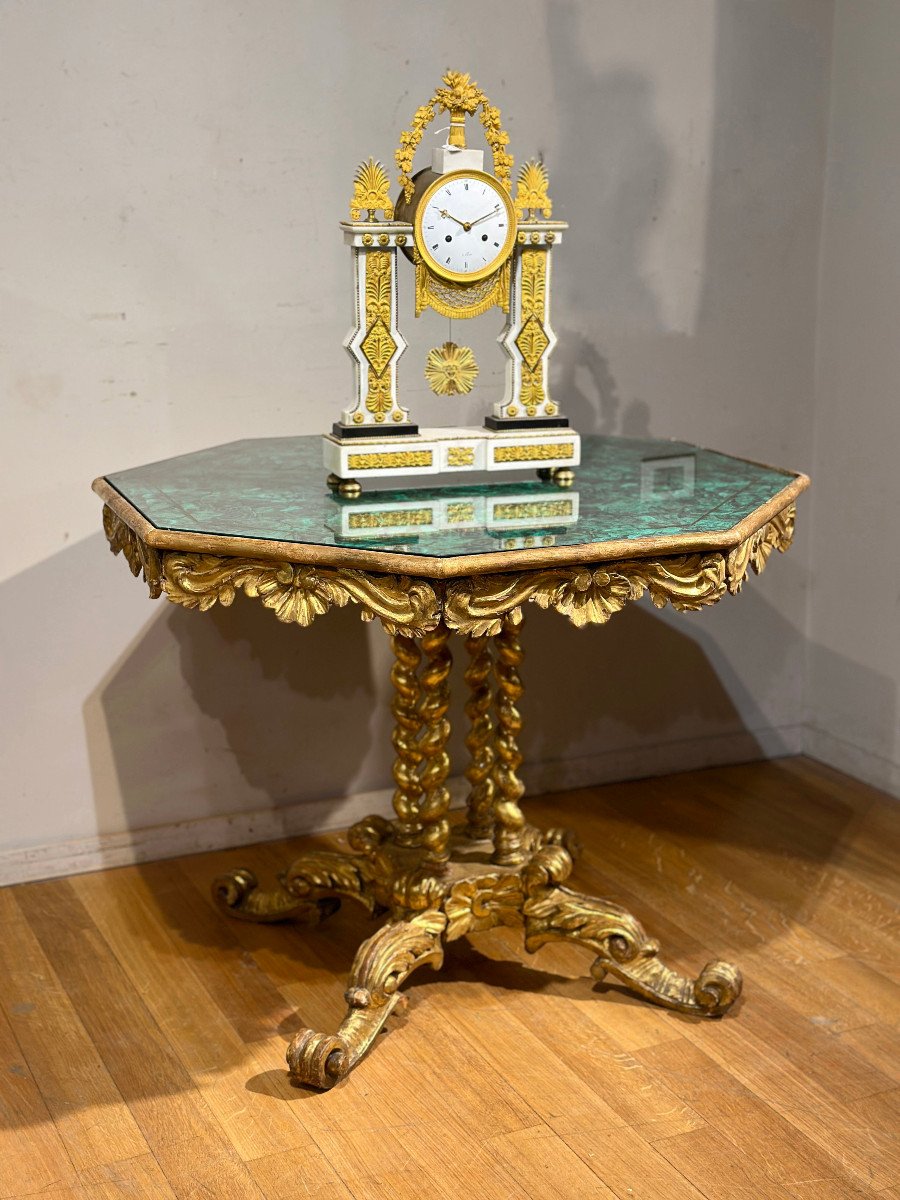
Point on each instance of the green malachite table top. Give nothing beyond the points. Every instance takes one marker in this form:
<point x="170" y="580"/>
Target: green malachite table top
<point x="268" y="496"/>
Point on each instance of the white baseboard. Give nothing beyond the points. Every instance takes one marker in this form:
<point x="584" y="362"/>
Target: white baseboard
<point x="853" y="760"/>
<point x="49" y="861"/>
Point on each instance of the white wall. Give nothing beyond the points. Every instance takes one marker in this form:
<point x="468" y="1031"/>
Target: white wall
<point x="854" y="625"/>
<point x="172" y="276"/>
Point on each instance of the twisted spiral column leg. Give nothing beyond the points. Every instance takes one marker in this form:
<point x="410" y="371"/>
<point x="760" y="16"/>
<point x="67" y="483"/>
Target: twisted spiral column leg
<point x="509" y="822"/>
<point x="408" y="723"/>
<point x="434" y="805"/>
<point x="479" y="740"/>
<point x="381" y="965"/>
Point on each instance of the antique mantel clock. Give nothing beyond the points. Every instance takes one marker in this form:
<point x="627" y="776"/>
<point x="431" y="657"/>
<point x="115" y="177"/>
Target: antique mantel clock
<point x="473" y="246"/>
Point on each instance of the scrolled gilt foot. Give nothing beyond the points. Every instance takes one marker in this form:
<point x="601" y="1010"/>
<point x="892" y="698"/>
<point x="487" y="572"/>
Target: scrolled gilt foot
<point x="567" y="838"/>
<point x="329" y="874"/>
<point x="624" y="950"/>
<point x="238" y="893"/>
<point x="366" y="835"/>
<point x="318" y="1059"/>
<point x="310" y="890"/>
<point x="382" y="964"/>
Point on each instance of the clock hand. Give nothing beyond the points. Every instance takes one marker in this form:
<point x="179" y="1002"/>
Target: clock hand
<point x="465" y="224"/>
<point x="485" y="217"/>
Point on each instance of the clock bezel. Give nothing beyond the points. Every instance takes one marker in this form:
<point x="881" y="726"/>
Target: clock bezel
<point x="438" y="269"/>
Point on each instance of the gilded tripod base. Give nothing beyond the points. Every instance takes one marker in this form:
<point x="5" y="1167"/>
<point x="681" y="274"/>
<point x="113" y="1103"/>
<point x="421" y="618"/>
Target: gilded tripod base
<point x="436" y="883"/>
<point x="427" y="908"/>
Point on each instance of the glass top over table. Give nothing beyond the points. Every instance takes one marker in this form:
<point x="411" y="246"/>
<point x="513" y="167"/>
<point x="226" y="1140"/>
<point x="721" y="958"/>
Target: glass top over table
<point x="271" y="491"/>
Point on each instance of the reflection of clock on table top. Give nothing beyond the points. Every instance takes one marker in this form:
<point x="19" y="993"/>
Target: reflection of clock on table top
<point x="474" y="246"/>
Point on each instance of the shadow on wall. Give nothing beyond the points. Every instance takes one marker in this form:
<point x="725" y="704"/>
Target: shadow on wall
<point x="673" y="685"/>
<point x="230" y="711"/>
<point x="643" y="695"/>
<point x="646" y="679"/>
<point x="612" y="167"/>
<point x="642" y="680"/>
<point x="582" y="379"/>
<point x="756" y="249"/>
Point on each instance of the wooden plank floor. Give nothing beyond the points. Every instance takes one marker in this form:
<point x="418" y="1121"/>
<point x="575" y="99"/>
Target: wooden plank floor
<point x="142" y="1034"/>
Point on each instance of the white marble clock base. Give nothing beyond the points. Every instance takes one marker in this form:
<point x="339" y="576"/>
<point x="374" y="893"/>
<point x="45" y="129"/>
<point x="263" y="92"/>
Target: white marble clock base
<point x="454" y="450"/>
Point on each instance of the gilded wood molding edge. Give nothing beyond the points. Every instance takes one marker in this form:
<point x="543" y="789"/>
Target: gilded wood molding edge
<point x="433" y="568"/>
<point x="296" y="594"/>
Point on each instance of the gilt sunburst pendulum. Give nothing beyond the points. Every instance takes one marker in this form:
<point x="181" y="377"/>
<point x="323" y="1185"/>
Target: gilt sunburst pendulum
<point x="451" y="370"/>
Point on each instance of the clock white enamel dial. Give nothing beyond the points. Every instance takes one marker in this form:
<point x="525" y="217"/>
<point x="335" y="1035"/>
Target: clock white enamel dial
<point x="465" y="226"/>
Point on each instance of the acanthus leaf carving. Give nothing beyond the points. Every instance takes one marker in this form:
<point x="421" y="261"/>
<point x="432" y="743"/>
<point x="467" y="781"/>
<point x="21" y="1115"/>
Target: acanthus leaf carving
<point x="141" y="558"/>
<point x="474" y="605"/>
<point x="381" y="965"/>
<point x="776" y="534"/>
<point x="299" y="594"/>
<point x="624" y="951"/>
<point x="586" y="595"/>
<point x="394" y="952"/>
<point x="483" y="902"/>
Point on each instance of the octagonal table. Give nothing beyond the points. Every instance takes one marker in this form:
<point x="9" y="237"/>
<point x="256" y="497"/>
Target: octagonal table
<point x="680" y="524"/>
